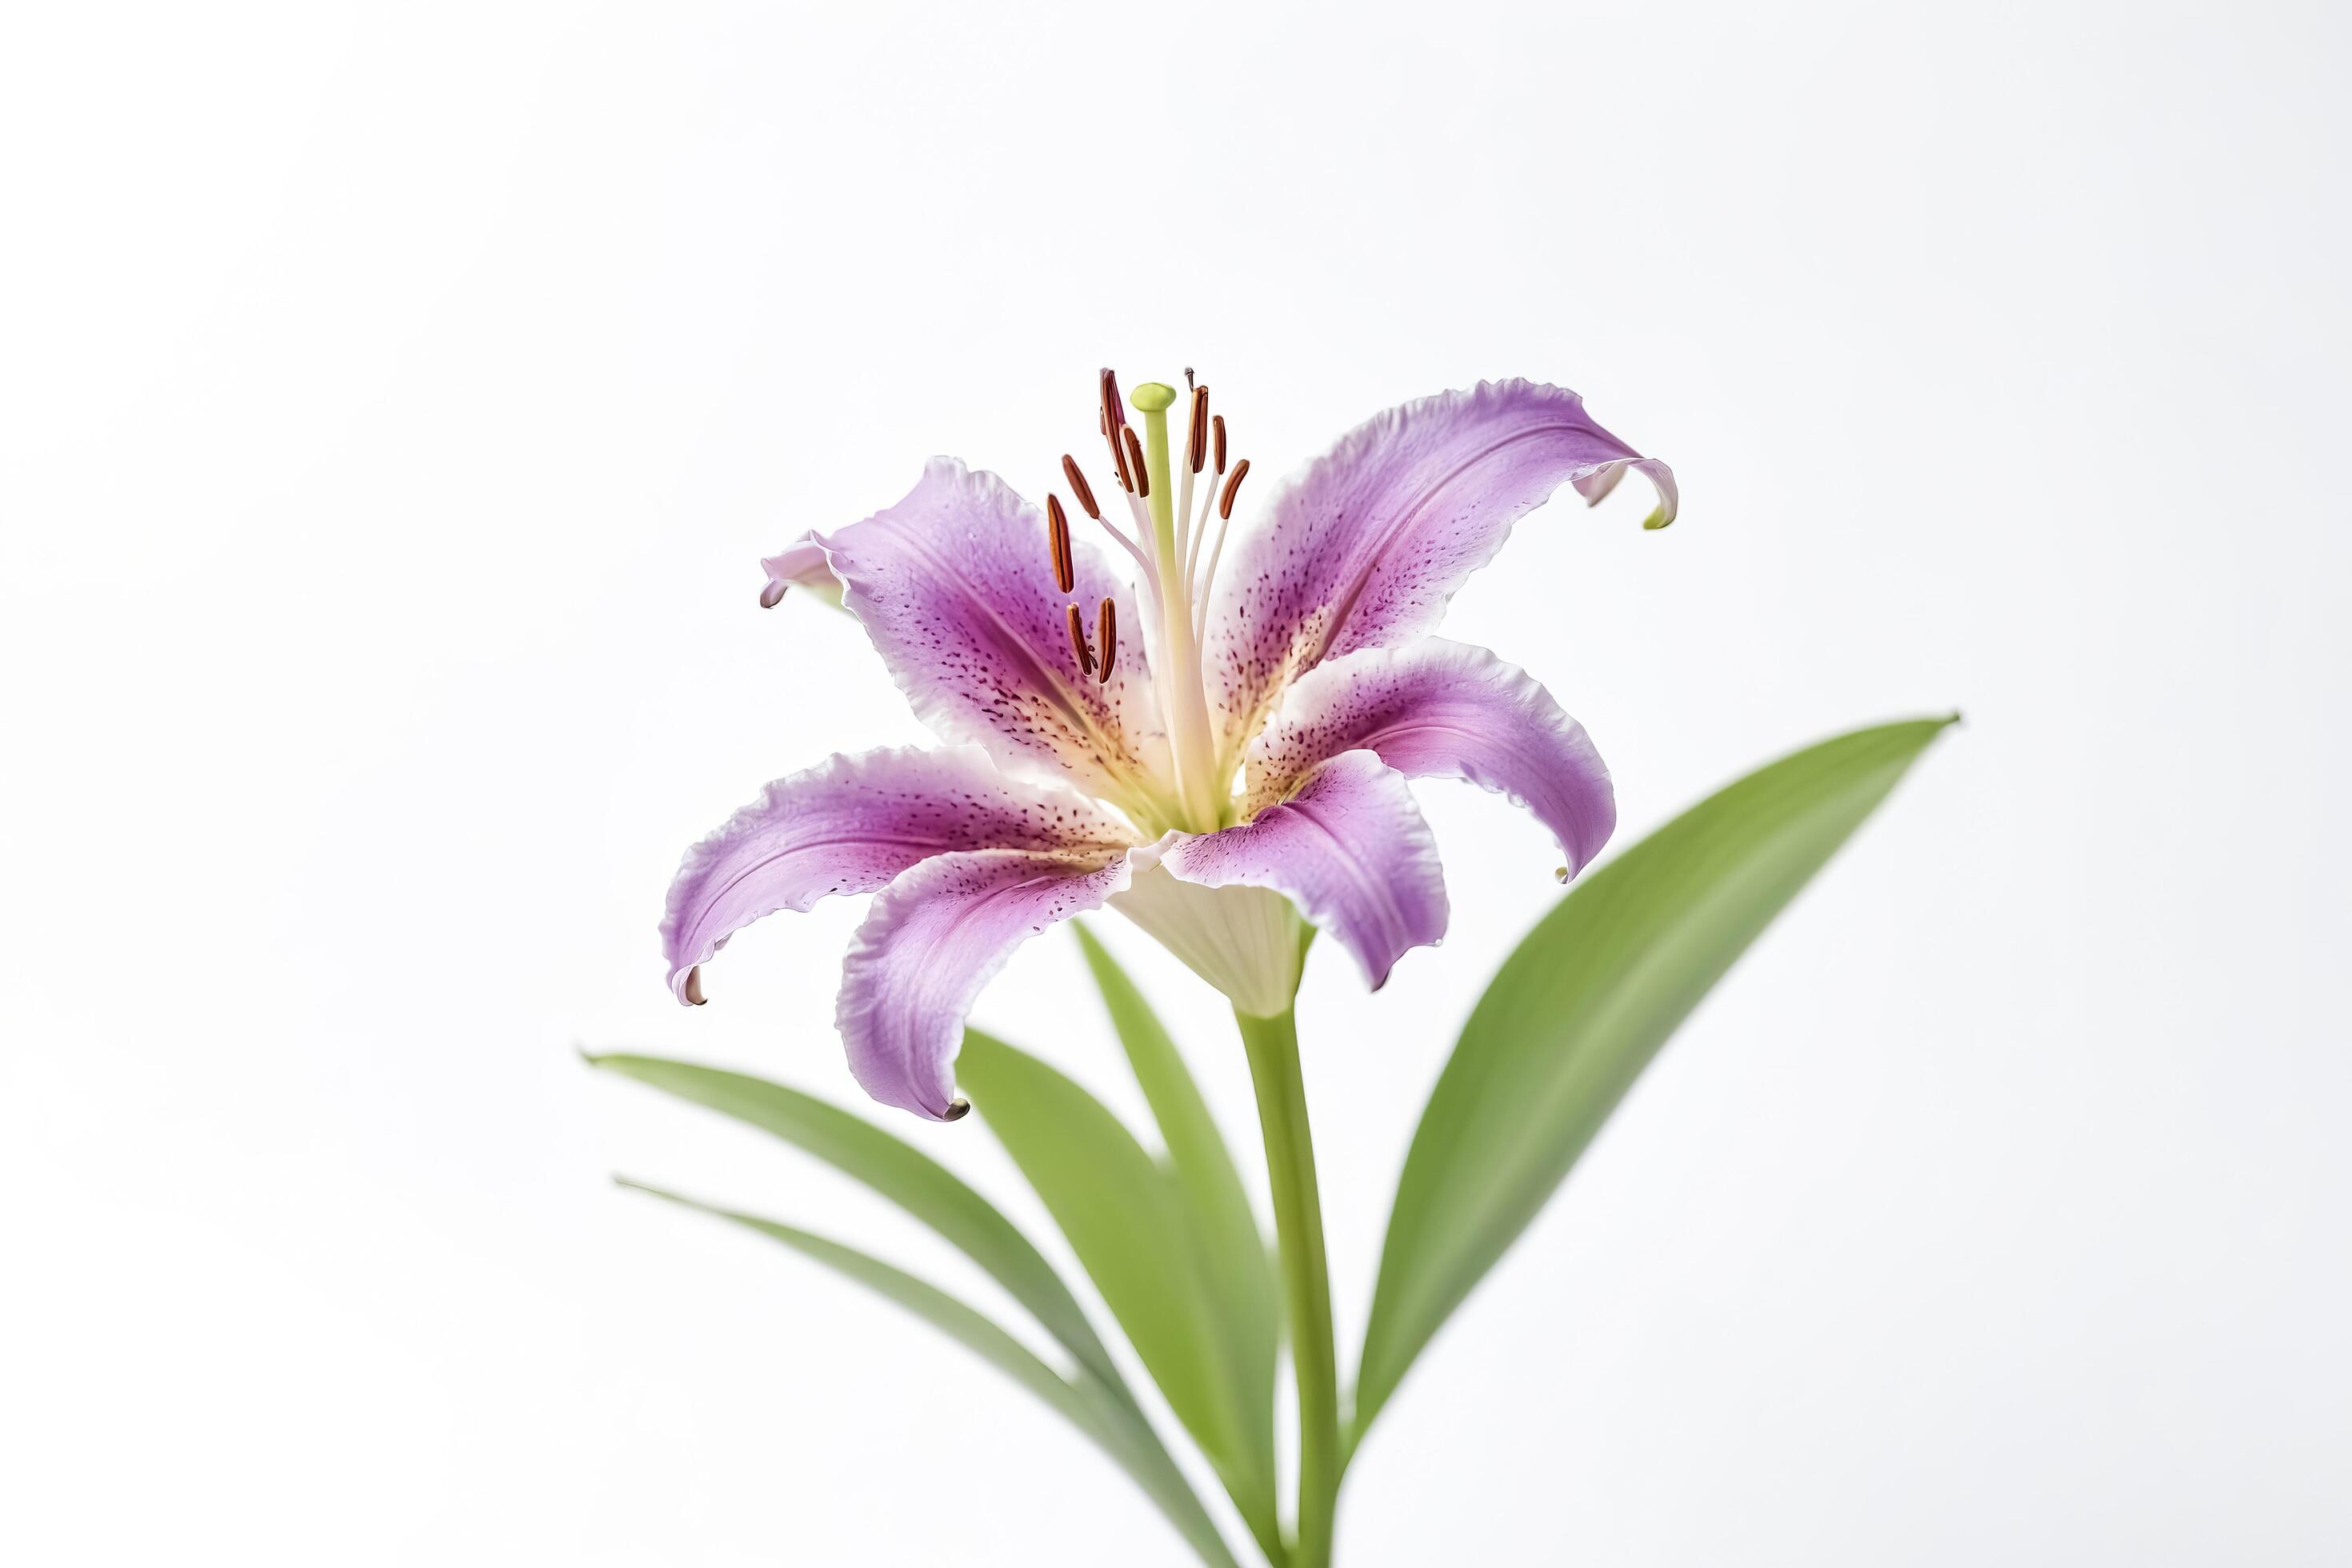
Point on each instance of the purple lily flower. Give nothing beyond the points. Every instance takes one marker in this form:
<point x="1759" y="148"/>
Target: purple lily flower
<point x="1213" y="755"/>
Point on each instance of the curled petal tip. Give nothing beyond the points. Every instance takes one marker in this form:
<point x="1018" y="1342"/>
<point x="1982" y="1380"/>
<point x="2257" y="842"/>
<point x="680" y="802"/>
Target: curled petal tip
<point x="1559" y="874"/>
<point x="693" y="992"/>
<point x="958" y="1108"/>
<point x="772" y="594"/>
<point x="1659" y="518"/>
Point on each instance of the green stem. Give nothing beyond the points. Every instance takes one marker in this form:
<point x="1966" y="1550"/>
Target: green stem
<point x="1273" y="1046"/>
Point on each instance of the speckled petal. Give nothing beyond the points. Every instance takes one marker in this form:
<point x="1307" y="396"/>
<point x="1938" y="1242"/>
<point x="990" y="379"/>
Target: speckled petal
<point x="1349" y="849"/>
<point x="1367" y="542"/>
<point x="955" y="586"/>
<point x="851" y="824"/>
<point x="1436" y="708"/>
<point x="933" y="939"/>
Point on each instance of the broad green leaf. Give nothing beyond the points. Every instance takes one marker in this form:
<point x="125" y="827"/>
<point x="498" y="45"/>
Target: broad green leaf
<point x="899" y="1172"/>
<point x="1127" y="1220"/>
<point x="1578" y="1010"/>
<point x="1240" y="1267"/>
<point x="1094" y="1407"/>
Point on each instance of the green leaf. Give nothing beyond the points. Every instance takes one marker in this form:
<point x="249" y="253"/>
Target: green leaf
<point x="1128" y="1220"/>
<point x="1238" y="1264"/>
<point x="899" y="1172"/>
<point x="1580" y="1008"/>
<point x="1093" y="1406"/>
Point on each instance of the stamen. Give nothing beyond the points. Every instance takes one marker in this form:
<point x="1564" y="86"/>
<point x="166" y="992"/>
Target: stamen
<point x="1106" y="633"/>
<point x="1078" y="482"/>
<point x="1233" y="488"/>
<point x="1196" y="452"/>
<point x="1134" y="457"/>
<point x="1057" y="534"/>
<point x="1208" y="579"/>
<point x="1078" y="643"/>
<point x="1220" y="423"/>
<point x="1184" y="516"/>
<point x="1110" y="421"/>
<point x="1117" y="456"/>
<point x="1198" y="531"/>
<point x="1217" y="551"/>
<point x="1145" y="570"/>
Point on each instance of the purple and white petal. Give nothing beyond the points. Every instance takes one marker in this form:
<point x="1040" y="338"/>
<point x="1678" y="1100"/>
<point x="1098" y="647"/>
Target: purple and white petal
<point x="1437" y="709"/>
<point x="800" y="564"/>
<point x="851" y="824"/>
<point x="954" y="585"/>
<point x="1366" y="544"/>
<point x="1349" y="849"/>
<point x="933" y="939"/>
<point x="1594" y="487"/>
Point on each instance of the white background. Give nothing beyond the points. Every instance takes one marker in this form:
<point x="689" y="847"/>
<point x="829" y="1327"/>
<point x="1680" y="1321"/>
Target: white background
<point x="394" y="401"/>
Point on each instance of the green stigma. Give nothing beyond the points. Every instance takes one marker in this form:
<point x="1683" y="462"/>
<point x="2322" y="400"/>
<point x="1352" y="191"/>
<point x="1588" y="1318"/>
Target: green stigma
<point x="1153" y="397"/>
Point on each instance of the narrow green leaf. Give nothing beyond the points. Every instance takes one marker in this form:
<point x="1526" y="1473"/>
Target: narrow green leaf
<point x="1580" y="1008"/>
<point x="1092" y="1406"/>
<point x="1127" y="1220"/>
<point x="899" y="1172"/>
<point x="1237" y="1262"/>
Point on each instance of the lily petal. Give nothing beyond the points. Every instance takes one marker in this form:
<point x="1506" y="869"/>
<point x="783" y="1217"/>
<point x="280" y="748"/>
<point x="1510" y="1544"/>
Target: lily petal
<point x="933" y="939"/>
<point x="800" y="563"/>
<point x="1438" y="709"/>
<point x="953" y="584"/>
<point x="1369" y="542"/>
<point x="1349" y="847"/>
<point x="851" y="824"/>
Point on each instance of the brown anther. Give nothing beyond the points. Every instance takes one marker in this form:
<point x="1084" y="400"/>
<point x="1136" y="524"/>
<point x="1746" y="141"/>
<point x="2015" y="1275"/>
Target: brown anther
<point x="1078" y="643"/>
<point x="1106" y="633"/>
<point x="1110" y="420"/>
<point x="1134" y="453"/>
<point x="1057" y="536"/>
<point x="1197" y="446"/>
<point x="1079" y="483"/>
<point x="694" y="986"/>
<point x="1219" y="424"/>
<point x="1118" y="458"/>
<point x="1233" y="488"/>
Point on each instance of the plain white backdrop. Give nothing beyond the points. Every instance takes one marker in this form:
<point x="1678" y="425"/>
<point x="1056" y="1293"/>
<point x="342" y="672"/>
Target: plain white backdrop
<point x="395" y="402"/>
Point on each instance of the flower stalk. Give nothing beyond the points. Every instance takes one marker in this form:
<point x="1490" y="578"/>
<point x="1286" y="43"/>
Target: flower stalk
<point x="1272" y="1048"/>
